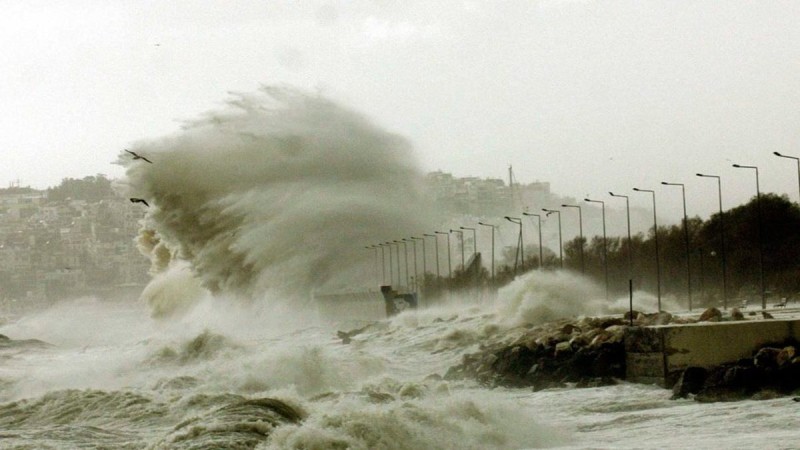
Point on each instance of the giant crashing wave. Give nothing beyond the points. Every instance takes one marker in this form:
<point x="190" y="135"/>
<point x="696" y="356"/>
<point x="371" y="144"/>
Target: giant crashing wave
<point x="279" y="190"/>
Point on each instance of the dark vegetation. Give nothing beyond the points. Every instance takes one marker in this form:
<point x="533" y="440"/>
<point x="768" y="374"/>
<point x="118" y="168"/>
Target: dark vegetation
<point x="780" y="237"/>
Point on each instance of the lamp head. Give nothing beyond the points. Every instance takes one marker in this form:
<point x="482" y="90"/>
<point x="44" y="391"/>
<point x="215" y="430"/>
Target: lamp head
<point x="776" y="154"/>
<point x="737" y="166"/>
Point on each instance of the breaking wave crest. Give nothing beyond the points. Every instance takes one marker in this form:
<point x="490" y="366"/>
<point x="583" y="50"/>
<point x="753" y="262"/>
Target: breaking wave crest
<point x="279" y="189"/>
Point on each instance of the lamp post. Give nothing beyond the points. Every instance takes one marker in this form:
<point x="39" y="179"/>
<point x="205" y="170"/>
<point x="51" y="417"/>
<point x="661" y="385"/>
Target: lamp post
<point x="686" y="241"/>
<point x="391" y="264"/>
<point x="580" y="233"/>
<point x="449" y="262"/>
<point x="605" y="248"/>
<point x="798" y="167"/>
<point x="405" y="257"/>
<point x="541" y="251"/>
<point x="493" y="227"/>
<point x="722" y="239"/>
<point x="560" y="245"/>
<point x="655" y="237"/>
<point x="461" y="238"/>
<point x="383" y="264"/>
<point x="436" y="249"/>
<point x="414" y="246"/>
<point x="630" y="243"/>
<point x="520" y="243"/>
<point x="424" y="263"/>
<point x="760" y="234"/>
<point x="474" y="241"/>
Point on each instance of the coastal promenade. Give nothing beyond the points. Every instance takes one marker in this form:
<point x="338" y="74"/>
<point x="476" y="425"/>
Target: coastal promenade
<point x="658" y="354"/>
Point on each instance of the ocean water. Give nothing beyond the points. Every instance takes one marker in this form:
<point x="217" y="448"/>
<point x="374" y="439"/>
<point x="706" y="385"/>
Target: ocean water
<point x="252" y="208"/>
<point x="106" y="375"/>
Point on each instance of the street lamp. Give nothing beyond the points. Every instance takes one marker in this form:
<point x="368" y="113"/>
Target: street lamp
<point x="493" y="227"/>
<point x="630" y="243"/>
<point x="541" y="252"/>
<point x="461" y="238"/>
<point x="760" y="234"/>
<point x="383" y="264"/>
<point x="722" y="238"/>
<point x="405" y="258"/>
<point x="560" y="245"/>
<point x="798" y="167"/>
<point x="436" y="249"/>
<point x="391" y="265"/>
<point x="520" y="244"/>
<point x="414" y="246"/>
<point x="424" y="262"/>
<point x="686" y="240"/>
<point x="605" y="248"/>
<point x="580" y="233"/>
<point x="474" y="241"/>
<point x="449" y="263"/>
<point x="655" y="236"/>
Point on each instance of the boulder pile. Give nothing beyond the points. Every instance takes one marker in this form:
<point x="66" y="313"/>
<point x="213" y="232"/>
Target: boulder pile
<point x="586" y="352"/>
<point x="773" y="370"/>
<point x="590" y="352"/>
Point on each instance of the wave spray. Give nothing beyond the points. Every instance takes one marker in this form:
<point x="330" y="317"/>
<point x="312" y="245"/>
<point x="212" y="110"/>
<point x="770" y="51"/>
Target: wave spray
<point x="278" y="190"/>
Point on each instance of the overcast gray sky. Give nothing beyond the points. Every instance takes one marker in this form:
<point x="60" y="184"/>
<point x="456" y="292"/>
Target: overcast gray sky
<point x="590" y="95"/>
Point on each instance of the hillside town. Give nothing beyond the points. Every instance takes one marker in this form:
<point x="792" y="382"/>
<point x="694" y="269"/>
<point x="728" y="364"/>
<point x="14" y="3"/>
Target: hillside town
<point x="78" y="238"/>
<point x="65" y="242"/>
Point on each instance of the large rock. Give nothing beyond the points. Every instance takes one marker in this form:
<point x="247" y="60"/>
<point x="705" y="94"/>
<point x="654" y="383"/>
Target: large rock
<point x="690" y="382"/>
<point x="766" y="358"/>
<point x="711" y="315"/>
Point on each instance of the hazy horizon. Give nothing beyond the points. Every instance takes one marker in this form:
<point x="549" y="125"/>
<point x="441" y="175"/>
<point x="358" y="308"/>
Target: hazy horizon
<point x="589" y="96"/>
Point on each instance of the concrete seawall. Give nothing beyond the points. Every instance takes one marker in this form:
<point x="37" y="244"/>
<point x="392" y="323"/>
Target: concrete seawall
<point x="658" y="354"/>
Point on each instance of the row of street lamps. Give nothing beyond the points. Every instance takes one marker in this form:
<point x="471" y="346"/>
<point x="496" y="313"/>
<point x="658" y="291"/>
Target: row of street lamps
<point x="413" y="240"/>
<point x="520" y="246"/>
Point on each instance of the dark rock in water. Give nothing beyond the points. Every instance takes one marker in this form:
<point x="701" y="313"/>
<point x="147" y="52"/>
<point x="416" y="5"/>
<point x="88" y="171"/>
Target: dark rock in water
<point x="766" y="358"/>
<point x="743" y="378"/>
<point x="766" y="315"/>
<point x="631" y="315"/>
<point x="772" y="372"/>
<point x="786" y="355"/>
<point x="346" y="336"/>
<point x="514" y="362"/>
<point x="710" y="315"/>
<point x="736" y="314"/>
<point x="690" y="382"/>
<point x="569" y="328"/>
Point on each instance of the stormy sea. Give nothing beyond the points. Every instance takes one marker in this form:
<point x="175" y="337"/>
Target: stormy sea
<point x="255" y="210"/>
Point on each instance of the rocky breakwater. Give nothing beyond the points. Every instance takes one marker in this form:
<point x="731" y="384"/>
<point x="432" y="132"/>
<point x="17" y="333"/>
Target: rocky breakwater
<point x="584" y="352"/>
<point x="773" y="370"/>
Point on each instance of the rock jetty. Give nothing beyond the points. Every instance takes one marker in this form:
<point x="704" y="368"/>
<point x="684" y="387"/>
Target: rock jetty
<point x="773" y="370"/>
<point x="590" y="352"/>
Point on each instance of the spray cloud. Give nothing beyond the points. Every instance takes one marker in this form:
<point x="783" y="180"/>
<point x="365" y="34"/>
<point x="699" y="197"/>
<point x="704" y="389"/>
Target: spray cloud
<point x="279" y="189"/>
